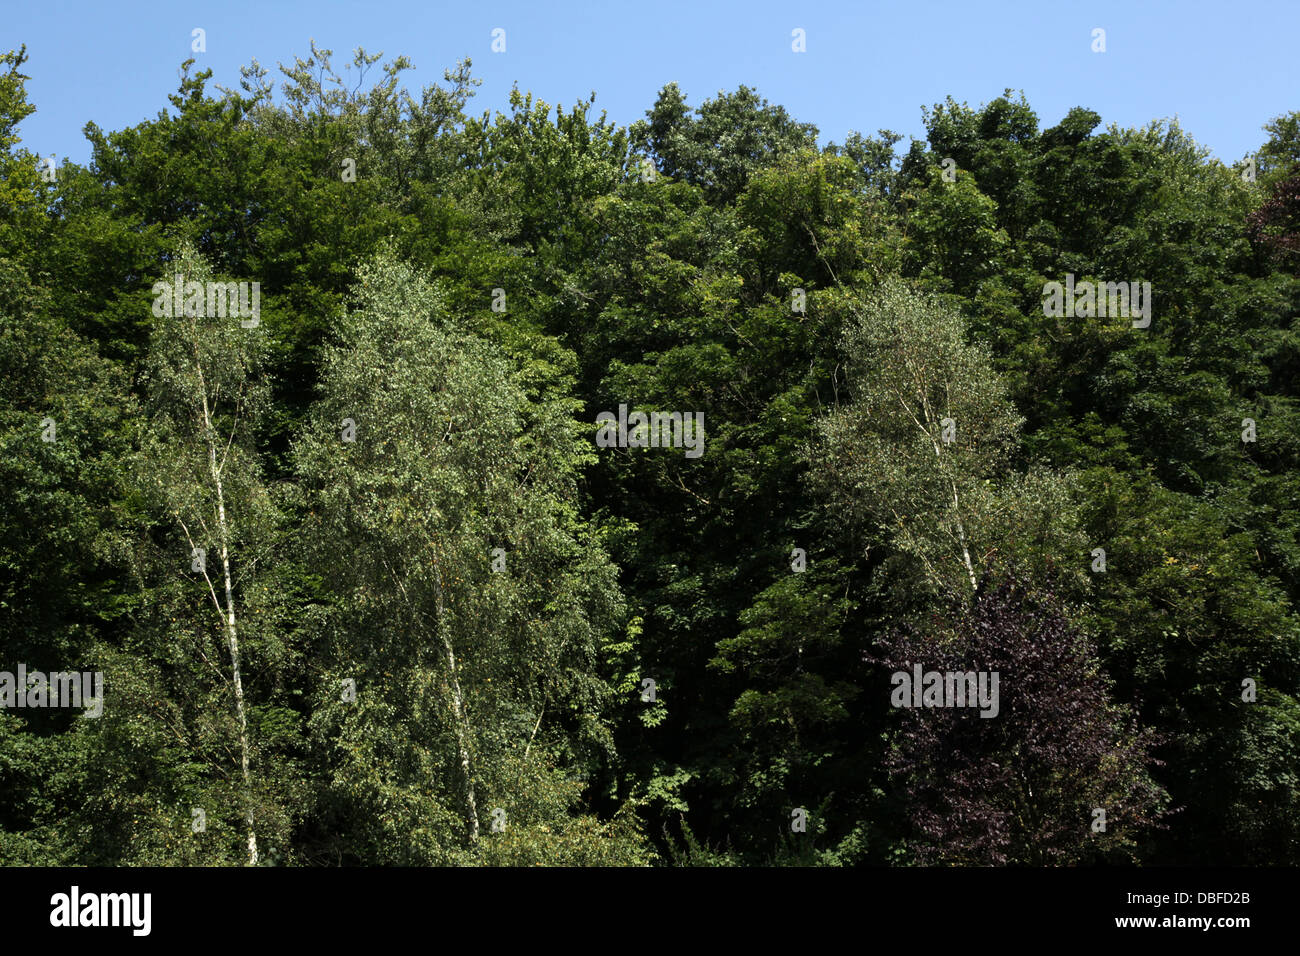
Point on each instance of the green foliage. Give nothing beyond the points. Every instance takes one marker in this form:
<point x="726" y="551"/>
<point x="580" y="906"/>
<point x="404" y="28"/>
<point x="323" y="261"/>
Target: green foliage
<point x="728" y="140"/>
<point x="914" y="457"/>
<point x="824" y="309"/>
<point x="469" y="602"/>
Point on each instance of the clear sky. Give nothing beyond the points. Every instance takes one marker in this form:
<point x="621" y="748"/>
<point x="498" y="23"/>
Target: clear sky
<point x="1223" y="69"/>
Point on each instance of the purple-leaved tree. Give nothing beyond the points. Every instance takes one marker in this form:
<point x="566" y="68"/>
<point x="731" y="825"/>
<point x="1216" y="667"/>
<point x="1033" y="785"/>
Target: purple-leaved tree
<point x="1029" y="784"/>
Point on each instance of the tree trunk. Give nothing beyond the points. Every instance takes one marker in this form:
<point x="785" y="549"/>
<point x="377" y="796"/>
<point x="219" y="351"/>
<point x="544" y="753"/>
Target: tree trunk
<point x="961" y="536"/>
<point x="232" y="634"/>
<point x="461" y="723"/>
<point x="956" y="513"/>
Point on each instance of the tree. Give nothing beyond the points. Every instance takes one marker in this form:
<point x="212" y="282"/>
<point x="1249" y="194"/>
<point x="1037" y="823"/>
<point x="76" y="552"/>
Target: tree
<point x="469" y="602"/>
<point x="198" y="467"/>
<point x="922" y="453"/>
<point x="731" y="137"/>
<point x="64" y="432"/>
<point x="21" y="190"/>
<point x="1023" y="785"/>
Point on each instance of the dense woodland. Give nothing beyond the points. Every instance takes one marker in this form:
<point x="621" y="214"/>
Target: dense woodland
<point x="365" y="590"/>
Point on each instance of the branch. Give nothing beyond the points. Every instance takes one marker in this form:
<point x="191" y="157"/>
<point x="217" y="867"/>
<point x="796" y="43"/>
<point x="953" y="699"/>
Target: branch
<point x="211" y="590"/>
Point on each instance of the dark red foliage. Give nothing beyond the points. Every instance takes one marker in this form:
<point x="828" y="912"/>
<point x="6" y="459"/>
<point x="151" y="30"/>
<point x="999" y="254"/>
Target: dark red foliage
<point x="1020" y="787"/>
<point x="1276" y="224"/>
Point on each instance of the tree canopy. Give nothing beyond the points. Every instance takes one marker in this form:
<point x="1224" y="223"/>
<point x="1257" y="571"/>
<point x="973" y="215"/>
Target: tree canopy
<point x="302" y="385"/>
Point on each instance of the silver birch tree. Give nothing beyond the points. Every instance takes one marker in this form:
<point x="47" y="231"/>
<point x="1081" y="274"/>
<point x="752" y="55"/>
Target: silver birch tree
<point x="202" y="397"/>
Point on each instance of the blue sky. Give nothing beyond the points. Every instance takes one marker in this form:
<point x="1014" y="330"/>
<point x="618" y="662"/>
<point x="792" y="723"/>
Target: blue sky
<point x="1223" y="69"/>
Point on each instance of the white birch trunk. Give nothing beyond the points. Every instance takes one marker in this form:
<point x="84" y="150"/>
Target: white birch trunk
<point x="232" y="634"/>
<point x="461" y="723"/>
